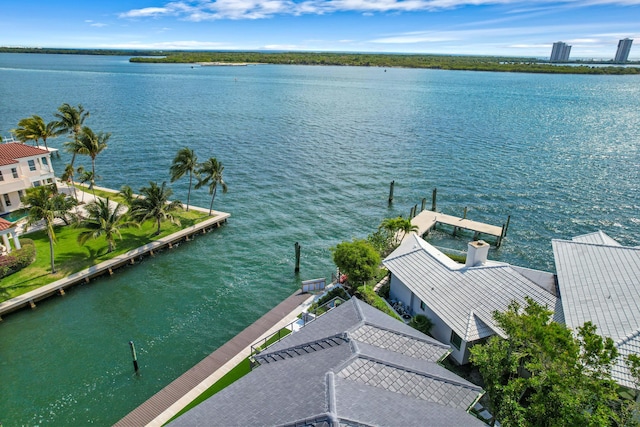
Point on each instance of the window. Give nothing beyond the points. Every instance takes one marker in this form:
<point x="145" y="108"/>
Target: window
<point x="7" y="200"/>
<point x="21" y="194"/>
<point x="44" y="161"/>
<point x="1" y="177"/>
<point x="32" y="165"/>
<point x="14" y="171"/>
<point x="456" y="341"/>
<point x="36" y="184"/>
<point x="423" y="306"/>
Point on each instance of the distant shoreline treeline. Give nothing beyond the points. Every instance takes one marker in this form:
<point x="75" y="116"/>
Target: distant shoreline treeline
<point x="441" y="62"/>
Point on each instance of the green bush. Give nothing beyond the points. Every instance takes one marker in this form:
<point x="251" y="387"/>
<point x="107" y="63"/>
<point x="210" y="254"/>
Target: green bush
<point x="19" y="259"/>
<point x="367" y="294"/>
<point x="335" y="292"/>
<point x="421" y="323"/>
<point x="385" y="290"/>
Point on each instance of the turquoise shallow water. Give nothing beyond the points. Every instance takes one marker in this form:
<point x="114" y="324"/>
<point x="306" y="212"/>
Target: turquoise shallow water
<point x="309" y="153"/>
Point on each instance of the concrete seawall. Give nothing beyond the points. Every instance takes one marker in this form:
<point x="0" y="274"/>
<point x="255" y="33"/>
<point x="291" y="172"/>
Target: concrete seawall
<point x="107" y="267"/>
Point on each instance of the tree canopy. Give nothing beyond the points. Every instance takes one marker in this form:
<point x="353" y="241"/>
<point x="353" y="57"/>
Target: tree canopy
<point x="543" y="374"/>
<point x="357" y="259"/>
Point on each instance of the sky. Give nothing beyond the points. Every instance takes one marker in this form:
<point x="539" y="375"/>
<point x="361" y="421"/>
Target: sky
<point x="460" y="27"/>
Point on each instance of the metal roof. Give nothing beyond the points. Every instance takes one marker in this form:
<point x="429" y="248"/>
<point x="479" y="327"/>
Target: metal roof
<point x="356" y="377"/>
<point x="465" y="298"/>
<point x="597" y="238"/>
<point x="600" y="282"/>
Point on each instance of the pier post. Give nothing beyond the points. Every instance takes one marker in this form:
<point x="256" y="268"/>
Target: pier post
<point x="507" y="226"/>
<point x="433" y="199"/>
<point x="391" y="192"/>
<point x="465" y="213"/>
<point x="297" y="269"/>
<point x="424" y="204"/>
<point x="133" y="355"/>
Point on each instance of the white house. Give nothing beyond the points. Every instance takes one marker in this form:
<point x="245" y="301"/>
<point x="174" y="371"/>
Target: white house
<point x="599" y="280"/>
<point x="460" y="299"/>
<point x="21" y="166"/>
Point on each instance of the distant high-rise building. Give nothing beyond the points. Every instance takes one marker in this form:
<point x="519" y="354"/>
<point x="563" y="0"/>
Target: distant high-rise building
<point x="560" y="52"/>
<point x="622" y="54"/>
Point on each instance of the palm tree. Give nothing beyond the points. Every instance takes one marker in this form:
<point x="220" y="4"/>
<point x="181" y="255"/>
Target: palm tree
<point x="127" y="193"/>
<point x="398" y="225"/>
<point x="92" y="144"/>
<point x="86" y="176"/>
<point x="185" y="161"/>
<point x="46" y="204"/>
<point x="211" y="171"/>
<point x="155" y="205"/>
<point x="27" y="130"/>
<point x="67" y="177"/>
<point x="71" y="121"/>
<point x="106" y="220"/>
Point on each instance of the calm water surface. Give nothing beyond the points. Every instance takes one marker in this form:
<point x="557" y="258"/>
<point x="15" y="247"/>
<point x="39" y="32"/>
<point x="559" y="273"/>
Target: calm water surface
<point x="309" y="153"/>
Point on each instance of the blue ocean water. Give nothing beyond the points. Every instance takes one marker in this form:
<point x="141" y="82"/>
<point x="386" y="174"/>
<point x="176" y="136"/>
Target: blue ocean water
<point x="309" y="153"/>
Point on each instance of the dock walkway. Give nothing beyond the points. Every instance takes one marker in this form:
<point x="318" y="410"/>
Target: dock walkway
<point x="162" y="406"/>
<point x="427" y="220"/>
<point x="30" y="298"/>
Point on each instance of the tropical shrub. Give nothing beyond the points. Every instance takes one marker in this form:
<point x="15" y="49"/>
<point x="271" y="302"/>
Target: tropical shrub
<point x="421" y="323"/>
<point x="18" y="259"/>
<point x="367" y="294"/>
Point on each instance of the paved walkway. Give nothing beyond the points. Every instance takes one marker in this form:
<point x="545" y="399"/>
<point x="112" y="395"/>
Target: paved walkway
<point x="162" y="406"/>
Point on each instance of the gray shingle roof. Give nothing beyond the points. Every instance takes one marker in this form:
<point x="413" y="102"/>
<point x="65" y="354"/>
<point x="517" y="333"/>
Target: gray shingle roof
<point x="347" y="382"/>
<point x="600" y="282"/>
<point x="466" y="297"/>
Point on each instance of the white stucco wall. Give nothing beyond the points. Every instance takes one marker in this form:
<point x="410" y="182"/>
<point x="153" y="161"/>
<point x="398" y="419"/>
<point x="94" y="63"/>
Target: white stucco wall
<point x="440" y="331"/>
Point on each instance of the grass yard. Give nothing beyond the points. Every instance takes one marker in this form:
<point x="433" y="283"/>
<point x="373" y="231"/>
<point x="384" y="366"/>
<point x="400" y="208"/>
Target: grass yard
<point x="71" y="257"/>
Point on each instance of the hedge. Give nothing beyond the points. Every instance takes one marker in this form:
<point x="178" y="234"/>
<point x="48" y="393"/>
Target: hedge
<point x="18" y="259"/>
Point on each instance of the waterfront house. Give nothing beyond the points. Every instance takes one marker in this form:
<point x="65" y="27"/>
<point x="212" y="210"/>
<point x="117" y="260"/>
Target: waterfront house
<point x="599" y="280"/>
<point x="352" y="366"/>
<point x="7" y="232"/>
<point x="460" y="299"/>
<point x="21" y="166"/>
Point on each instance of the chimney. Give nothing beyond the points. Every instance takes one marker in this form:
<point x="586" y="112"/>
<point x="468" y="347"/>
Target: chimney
<point x="477" y="253"/>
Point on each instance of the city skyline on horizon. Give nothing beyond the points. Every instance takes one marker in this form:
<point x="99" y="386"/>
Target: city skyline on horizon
<point x="456" y="27"/>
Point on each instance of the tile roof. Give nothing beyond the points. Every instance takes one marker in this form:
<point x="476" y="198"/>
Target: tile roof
<point x="355" y="376"/>
<point x="5" y="225"/>
<point x="15" y="150"/>
<point x="465" y="298"/>
<point x="600" y="282"/>
<point x="6" y="162"/>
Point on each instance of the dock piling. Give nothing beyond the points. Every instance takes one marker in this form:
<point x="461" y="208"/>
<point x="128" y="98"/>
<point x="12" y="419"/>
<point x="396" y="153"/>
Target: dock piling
<point x="133" y="355"/>
<point x="391" y="192"/>
<point x="507" y="226"/>
<point x="465" y="213"/>
<point x="297" y="269"/>
<point x="424" y="204"/>
<point x="433" y="199"/>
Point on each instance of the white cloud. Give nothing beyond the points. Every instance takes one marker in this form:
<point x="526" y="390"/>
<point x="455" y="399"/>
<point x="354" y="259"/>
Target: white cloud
<point x="202" y="10"/>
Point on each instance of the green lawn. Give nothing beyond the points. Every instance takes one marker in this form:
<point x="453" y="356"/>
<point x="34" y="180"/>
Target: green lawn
<point x="71" y="257"/>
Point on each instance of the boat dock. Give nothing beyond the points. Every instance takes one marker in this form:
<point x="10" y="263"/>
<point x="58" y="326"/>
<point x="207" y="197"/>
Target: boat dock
<point x="107" y="267"/>
<point x="428" y="220"/>
<point x="165" y="404"/>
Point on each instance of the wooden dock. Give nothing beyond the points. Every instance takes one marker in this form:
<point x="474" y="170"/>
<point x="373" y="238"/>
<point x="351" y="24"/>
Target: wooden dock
<point x="427" y="221"/>
<point x="162" y="406"/>
<point x="107" y="267"/>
